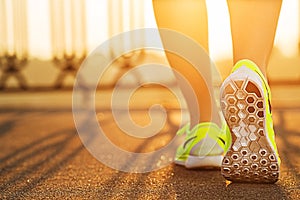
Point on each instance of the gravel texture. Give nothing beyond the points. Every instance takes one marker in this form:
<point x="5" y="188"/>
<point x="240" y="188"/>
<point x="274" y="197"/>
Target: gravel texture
<point x="42" y="157"/>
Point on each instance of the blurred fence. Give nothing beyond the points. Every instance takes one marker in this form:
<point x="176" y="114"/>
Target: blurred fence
<point x="64" y="29"/>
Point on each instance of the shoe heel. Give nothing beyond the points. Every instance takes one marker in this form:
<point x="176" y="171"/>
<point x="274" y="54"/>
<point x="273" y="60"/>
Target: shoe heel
<point x="250" y="157"/>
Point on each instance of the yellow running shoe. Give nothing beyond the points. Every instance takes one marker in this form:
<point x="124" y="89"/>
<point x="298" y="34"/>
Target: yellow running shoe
<point x="245" y="103"/>
<point x="204" y="145"/>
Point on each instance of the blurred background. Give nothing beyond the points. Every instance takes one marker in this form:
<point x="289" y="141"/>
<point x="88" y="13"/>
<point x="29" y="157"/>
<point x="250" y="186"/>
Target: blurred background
<point x="42" y="43"/>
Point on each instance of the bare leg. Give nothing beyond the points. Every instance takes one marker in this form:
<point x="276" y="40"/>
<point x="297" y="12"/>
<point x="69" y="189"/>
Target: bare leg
<point x="253" y="27"/>
<point x="244" y="95"/>
<point x="190" y="18"/>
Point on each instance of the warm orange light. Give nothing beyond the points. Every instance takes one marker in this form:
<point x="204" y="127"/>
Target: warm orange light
<point x="99" y="25"/>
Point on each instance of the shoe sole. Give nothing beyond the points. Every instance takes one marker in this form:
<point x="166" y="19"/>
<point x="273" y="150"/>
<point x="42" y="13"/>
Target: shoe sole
<point x="251" y="157"/>
<point x="201" y="162"/>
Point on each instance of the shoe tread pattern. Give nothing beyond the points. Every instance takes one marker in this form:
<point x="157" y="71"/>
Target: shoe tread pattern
<point x="250" y="157"/>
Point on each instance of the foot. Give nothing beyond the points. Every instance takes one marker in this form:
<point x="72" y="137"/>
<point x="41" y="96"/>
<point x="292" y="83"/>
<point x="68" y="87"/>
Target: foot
<point x="245" y="102"/>
<point x="204" y="146"/>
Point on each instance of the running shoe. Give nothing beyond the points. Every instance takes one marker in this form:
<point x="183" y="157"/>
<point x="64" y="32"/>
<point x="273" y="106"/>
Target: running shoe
<point x="204" y="145"/>
<point x="245" y="103"/>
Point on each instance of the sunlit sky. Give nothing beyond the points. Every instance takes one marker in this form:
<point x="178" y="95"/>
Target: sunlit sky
<point x="97" y="26"/>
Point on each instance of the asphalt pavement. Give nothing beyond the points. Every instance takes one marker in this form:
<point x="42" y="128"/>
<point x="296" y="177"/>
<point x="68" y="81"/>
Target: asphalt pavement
<point x="42" y="157"/>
